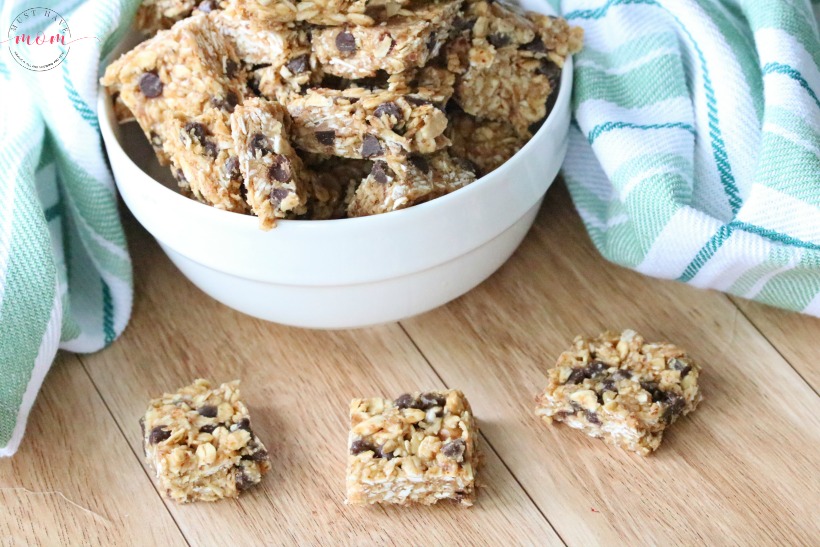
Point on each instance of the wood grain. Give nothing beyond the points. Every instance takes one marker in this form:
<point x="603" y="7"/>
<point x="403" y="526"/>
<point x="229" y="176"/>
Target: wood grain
<point x="794" y="335"/>
<point x="298" y="384"/>
<point x="743" y="469"/>
<point x="75" y="480"/>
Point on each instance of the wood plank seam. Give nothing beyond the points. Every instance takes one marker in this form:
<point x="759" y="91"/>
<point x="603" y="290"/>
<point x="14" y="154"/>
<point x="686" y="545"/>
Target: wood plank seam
<point x="754" y="325"/>
<point x="483" y="436"/>
<point x="137" y="456"/>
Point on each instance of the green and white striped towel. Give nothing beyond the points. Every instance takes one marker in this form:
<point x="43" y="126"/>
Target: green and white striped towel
<point x="65" y="274"/>
<point x="695" y="152"/>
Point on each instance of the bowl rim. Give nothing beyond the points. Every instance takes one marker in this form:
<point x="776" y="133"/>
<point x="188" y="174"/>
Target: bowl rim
<point x="109" y="126"/>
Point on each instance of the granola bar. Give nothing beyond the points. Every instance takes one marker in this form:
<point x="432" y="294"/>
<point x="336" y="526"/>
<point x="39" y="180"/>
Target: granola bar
<point x="276" y="181"/>
<point x="622" y="389"/>
<point x="202" y="155"/>
<point x="508" y="62"/>
<point x="402" y="43"/>
<point x="320" y="12"/>
<point x="398" y="183"/>
<point x="420" y="448"/>
<point x="362" y="124"/>
<point x="259" y="43"/>
<point x="155" y="15"/>
<point x="200" y="444"/>
<point x="179" y="72"/>
<point x="486" y="144"/>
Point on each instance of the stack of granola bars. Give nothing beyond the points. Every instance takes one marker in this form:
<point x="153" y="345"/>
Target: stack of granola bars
<point x="325" y="109"/>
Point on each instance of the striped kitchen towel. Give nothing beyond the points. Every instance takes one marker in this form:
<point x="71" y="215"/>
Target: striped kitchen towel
<point x="695" y="151"/>
<point x="65" y="274"/>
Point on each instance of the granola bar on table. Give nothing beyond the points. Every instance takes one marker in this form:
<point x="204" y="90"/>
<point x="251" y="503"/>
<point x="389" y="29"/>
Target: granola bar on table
<point x="399" y="44"/>
<point x="622" y="389"/>
<point x="419" y="448"/>
<point x="200" y="444"/>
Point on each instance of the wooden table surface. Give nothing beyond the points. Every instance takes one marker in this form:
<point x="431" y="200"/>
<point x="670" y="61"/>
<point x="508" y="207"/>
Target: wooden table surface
<point x="743" y="469"/>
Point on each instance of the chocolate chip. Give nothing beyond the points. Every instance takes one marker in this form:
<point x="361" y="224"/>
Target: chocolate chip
<point x="360" y="445"/>
<point x="674" y="406"/>
<point x="680" y="365"/>
<point x="379" y="171"/>
<point x="280" y="170"/>
<point x="461" y="24"/>
<point x="158" y="434"/>
<point x="232" y="168"/>
<point x="180" y="176"/>
<point x="592" y="417"/>
<point x="150" y="85"/>
<point x="577" y="375"/>
<point x="345" y="42"/>
<point x="620" y="374"/>
<point x="210" y="148"/>
<point x="498" y="40"/>
<point x="535" y="46"/>
<point x="609" y="385"/>
<point x="259" y="142"/>
<point x="299" y="64"/>
<point x="207" y="6"/>
<point x="245" y="424"/>
<point x="432" y="41"/>
<point x="243" y="481"/>
<point x="278" y="195"/>
<point x="657" y="393"/>
<point x="256" y="456"/>
<point x="371" y="147"/>
<point x="208" y="411"/>
<point x="405" y="400"/>
<point x="420" y="163"/>
<point x="388" y="109"/>
<point x="231" y="68"/>
<point x="417" y="101"/>
<point x="196" y="130"/>
<point x="326" y="137"/>
<point x="243" y="191"/>
<point x="208" y="428"/>
<point x="468" y="165"/>
<point x="454" y="449"/>
<point x="431" y="399"/>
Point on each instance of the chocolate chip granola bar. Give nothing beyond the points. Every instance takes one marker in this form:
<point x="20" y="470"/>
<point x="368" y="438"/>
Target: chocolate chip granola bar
<point x="181" y="72"/>
<point x="402" y="43"/>
<point x="200" y="444"/>
<point x="622" y="389"/>
<point x="203" y="160"/>
<point x="398" y="183"/>
<point x="420" y="448"/>
<point x="277" y="184"/>
<point x="508" y="62"/>
<point x="360" y="123"/>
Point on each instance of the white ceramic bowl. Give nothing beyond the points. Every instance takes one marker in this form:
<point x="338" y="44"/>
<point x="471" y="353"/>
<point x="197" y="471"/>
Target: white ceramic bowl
<point x="349" y="272"/>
